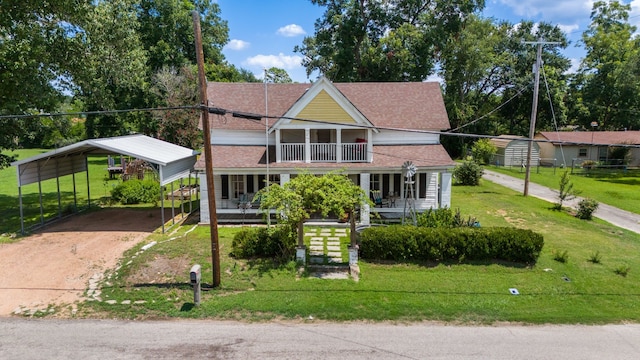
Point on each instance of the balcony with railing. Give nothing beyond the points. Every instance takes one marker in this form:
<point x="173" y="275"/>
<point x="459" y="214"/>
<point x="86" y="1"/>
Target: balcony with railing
<point x="324" y="152"/>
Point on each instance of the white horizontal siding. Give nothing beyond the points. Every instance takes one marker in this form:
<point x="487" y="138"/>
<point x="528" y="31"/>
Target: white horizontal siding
<point x="404" y="138"/>
<point x="240" y="137"/>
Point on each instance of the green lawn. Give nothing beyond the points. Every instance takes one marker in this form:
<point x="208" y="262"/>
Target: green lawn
<point x="577" y="291"/>
<point x="613" y="187"/>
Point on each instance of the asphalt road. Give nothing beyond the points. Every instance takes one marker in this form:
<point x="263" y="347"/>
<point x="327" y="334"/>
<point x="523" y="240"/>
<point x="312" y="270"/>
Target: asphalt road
<point x="621" y="218"/>
<point x="191" y="339"/>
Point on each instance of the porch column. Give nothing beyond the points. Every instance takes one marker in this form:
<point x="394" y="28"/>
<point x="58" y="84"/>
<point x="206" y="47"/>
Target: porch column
<point x="204" y="198"/>
<point x="365" y="183"/>
<point x="278" y="147"/>
<point x="339" y="145"/>
<point x="369" y="145"/>
<point x="307" y="145"/>
<point x="284" y="178"/>
<point x="445" y="190"/>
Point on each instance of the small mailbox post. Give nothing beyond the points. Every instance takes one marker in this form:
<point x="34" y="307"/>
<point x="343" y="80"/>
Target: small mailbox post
<point x="195" y="276"/>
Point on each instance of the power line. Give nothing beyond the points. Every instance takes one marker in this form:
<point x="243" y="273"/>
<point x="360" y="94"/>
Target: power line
<point x="100" y="112"/>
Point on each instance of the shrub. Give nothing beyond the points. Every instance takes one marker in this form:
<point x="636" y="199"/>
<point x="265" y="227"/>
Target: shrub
<point x="468" y="173"/>
<point x="561" y="256"/>
<point x="586" y="207"/>
<point x="483" y="151"/>
<point x="622" y="270"/>
<point x="276" y="242"/>
<point x="595" y="258"/>
<point x="410" y="243"/>
<point x="444" y="218"/>
<point x="136" y="191"/>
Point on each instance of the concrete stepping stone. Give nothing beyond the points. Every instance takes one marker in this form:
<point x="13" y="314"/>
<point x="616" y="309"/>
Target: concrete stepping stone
<point x="333" y="238"/>
<point x="334" y="254"/>
<point x="316" y="247"/>
<point x="317" y="242"/>
<point x="316" y="253"/>
<point x="317" y="238"/>
<point x="333" y="248"/>
<point x="333" y="260"/>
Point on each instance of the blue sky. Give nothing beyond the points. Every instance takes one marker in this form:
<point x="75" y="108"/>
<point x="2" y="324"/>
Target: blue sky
<point x="263" y="33"/>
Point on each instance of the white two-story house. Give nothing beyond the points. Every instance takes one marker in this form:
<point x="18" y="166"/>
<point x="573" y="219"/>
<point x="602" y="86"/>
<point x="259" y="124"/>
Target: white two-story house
<point x="366" y="130"/>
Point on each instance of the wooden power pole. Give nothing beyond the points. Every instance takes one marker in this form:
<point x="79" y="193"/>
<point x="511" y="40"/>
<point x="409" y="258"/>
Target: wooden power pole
<point x="211" y="195"/>
<point x="534" y="109"/>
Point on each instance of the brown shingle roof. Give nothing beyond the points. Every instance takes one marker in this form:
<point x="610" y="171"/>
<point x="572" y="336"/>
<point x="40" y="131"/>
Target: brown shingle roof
<point x="390" y="104"/>
<point x="593" y="137"/>
<point x="385" y="156"/>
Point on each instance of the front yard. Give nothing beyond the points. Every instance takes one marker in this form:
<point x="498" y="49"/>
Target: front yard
<point x="577" y="291"/>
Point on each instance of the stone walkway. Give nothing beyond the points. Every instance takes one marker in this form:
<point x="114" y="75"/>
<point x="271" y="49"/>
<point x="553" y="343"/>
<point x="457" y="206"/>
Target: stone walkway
<point x="325" y="253"/>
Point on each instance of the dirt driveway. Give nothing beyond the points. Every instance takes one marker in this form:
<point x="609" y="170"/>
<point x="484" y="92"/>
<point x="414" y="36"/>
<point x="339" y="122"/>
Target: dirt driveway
<point x="54" y="265"/>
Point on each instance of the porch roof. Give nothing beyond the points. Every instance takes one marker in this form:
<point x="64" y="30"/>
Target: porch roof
<point x="233" y="158"/>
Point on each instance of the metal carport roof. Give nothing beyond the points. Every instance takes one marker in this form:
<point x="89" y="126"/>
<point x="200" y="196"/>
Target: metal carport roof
<point x="172" y="161"/>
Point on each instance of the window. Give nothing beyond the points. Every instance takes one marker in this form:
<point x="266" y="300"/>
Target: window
<point x="582" y="152"/>
<point x="376" y="179"/>
<point x="237" y="185"/>
<point x="225" y="186"/>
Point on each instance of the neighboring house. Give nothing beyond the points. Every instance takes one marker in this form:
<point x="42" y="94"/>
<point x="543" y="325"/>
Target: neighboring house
<point x="352" y="128"/>
<point x="511" y="150"/>
<point x="573" y="147"/>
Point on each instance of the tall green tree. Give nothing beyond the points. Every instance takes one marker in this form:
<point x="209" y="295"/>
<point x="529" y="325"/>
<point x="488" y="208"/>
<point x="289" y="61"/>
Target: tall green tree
<point x="278" y="76"/>
<point x="376" y="40"/>
<point x="166" y="32"/>
<point x="112" y="74"/>
<point x="177" y="88"/>
<point x="610" y="76"/>
<point x="37" y="40"/>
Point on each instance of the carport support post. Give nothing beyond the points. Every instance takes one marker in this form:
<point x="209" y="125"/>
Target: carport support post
<point x="208" y="161"/>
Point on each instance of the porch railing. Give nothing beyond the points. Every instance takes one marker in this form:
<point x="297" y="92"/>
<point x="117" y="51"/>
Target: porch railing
<point x="324" y="152"/>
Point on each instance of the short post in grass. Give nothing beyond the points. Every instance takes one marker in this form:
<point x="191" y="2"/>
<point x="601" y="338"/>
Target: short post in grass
<point x="195" y="276"/>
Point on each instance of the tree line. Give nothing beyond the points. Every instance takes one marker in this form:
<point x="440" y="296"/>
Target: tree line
<point x="88" y="56"/>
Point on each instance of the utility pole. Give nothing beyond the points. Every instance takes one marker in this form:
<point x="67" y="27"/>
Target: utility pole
<point x="534" y="108"/>
<point x="213" y="218"/>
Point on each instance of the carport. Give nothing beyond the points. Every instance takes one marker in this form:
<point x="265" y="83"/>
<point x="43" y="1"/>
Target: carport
<point x="171" y="162"/>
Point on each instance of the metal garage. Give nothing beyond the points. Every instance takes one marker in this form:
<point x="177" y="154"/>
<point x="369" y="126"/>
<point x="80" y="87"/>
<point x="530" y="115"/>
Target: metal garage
<point x="172" y="162"/>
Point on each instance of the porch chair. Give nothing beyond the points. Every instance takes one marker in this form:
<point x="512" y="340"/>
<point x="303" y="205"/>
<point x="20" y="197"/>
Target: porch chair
<point x="377" y="198"/>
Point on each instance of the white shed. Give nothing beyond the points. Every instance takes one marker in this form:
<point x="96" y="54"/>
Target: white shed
<point x="512" y="151"/>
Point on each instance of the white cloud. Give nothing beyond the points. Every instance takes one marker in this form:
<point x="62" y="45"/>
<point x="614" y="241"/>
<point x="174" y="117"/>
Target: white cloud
<point x="575" y="65"/>
<point x="291" y="30"/>
<point x="281" y="60"/>
<point x="634" y="15"/>
<point x="236" y="44"/>
<point x="552" y="10"/>
<point x="568" y="28"/>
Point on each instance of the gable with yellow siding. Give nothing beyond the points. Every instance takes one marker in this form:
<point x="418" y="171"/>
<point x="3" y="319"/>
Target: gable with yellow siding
<point x="324" y="108"/>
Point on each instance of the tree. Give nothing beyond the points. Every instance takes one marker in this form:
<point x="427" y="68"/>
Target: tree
<point x="566" y="192"/>
<point x="395" y="40"/>
<point x="306" y="194"/>
<point x="36" y="41"/>
<point x="176" y="88"/>
<point x="610" y="76"/>
<point x="112" y="74"/>
<point x="166" y="32"/>
<point x="483" y="151"/>
<point x="278" y="76"/>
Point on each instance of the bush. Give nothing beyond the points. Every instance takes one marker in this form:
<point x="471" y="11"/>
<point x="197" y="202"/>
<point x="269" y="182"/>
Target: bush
<point x="136" y="191"/>
<point x="586" y="207"/>
<point x="483" y="151"/>
<point x="468" y="173"/>
<point x="410" y="243"/>
<point x="276" y="242"/>
<point x="444" y="218"/>
<point x="561" y="256"/>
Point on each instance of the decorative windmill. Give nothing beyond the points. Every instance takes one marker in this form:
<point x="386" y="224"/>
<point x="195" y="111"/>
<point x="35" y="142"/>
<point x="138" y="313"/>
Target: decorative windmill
<point x="409" y="170"/>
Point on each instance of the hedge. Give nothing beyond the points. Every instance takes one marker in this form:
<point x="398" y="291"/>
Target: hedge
<point x="410" y="243"/>
<point x="276" y="242"/>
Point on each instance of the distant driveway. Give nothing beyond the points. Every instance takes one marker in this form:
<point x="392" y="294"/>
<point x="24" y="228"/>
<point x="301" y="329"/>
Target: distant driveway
<point x="621" y="218"/>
